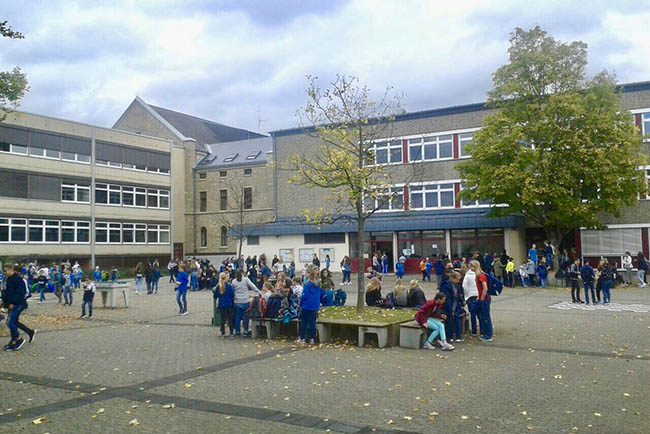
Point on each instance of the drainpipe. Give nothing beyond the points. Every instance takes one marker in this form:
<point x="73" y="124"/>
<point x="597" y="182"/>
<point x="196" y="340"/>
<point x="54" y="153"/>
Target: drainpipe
<point x="275" y="180"/>
<point x="92" y="199"/>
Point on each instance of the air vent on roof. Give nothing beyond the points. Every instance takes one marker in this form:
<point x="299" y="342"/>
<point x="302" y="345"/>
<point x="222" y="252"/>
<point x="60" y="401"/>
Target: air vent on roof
<point x="230" y="159"/>
<point x="254" y="155"/>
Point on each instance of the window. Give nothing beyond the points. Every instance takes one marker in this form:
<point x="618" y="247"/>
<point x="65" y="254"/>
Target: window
<point x="223" y="200"/>
<point x="612" y="242"/>
<point x="51" y="231"/>
<point x="163" y="231"/>
<point x="253" y="240"/>
<point x="36" y="228"/>
<point x="101" y="193"/>
<point x="254" y="155"/>
<point x="325" y="238"/>
<point x="152" y="198"/>
<point x="248" y="198"/>
<point x="387" y="201"/>
<point x="387" y="152"/>
<point x="128" y="233"/>
<point x="75" y="232"/>
<point x="114" y="195"/>
<point x="4" y="230"/>
<point x="152" y="234"/>
<point x="114" y="233"/>
<point x="128" y="196"/>
<point x="224" y="236"/>
<point x="13" y="230"/>
<point x="431" y="196"/>
<point x="465" y="242"/>
<point x="141" y="197"/>
<point x="463" y="140"/>
<point x="101" y="232"/>
<point x="5" y="147"/>
<point x="75" y="193"/>
<point x="230" y="158"/>
<point x="431" y="148"/>
<point x="202" y="175"/>
<point x="164" y="199"/>
<point x="475" y="203"/>
<point x="204" y="237"/>
<point x="223" y="173"/>
<point x="646" y="126"/>
<point x="248" y="172"/>
<point x="140" y="233"/>
<point x="14" y="149"/>
<point x="50" y="153"/>
<point x="36" y="152"/>
<point x="203" y="199"/>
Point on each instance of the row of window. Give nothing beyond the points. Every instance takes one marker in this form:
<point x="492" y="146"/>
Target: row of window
<point x="117" y="195"/>
<point x="247" y="199"/>
<point x="223" y="240"/>
<point x="17" y="230"/>
<point x="425" y="148"/>
<point x="35" y="151"/>
<point x="223" y="173"/>
<point x="434" y="195"/>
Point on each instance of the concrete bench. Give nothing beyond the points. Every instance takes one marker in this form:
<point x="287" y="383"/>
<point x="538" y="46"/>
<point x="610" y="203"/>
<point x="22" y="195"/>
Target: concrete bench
<point x="412" y="335"/>
<point x="270" y="326"/>
<point x="110" y="292"/>
<point x="380" y="329"/>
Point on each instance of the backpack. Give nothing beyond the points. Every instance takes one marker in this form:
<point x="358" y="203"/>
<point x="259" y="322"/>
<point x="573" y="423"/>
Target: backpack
<point x="273" y="307"/>
<point x="257" y="308"/>
<point x="389" y="301"/>
<point x="327" y="298"/>
<point x="494" y="285"/>
<point x="340" y="297"/>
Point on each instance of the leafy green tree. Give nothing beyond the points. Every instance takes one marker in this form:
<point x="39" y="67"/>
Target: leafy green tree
<point x="13" y="84"/>
<point x="347" y="123"/>
<point x="559" y="149"/>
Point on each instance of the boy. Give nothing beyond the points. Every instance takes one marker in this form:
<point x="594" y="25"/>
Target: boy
<point x="97" y="274"/>
<point x="181" y="290"/>
<point x="67" y="287"/>
<point x="530" y="270"/>
<point x="523" y="276"/>
<point x="574" y="275"/>
<point x="510" y="269"/>
<point x="588" y="275"/>
<point x="14" y="299"/>
<point x="89" y="294"/>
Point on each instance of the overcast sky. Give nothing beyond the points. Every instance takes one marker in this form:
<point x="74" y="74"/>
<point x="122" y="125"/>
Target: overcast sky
<point x="232" y="61"/>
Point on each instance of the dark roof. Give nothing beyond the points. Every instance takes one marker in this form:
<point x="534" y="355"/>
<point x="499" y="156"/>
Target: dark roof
<point x="399" y="221"/>
<point x="203" y="130"/>
<point x="444" y="111"/>
<point x="240" y="153"/>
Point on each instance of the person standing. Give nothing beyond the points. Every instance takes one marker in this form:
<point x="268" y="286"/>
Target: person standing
<point x="484" y="301"/>
<point x="309" y="304"/>
<point x="14" y="298"/>
<point x="226" y="296"/>
<point x="181" y="290"/>
<point x="241" y="286"/>
<point x="627" y="266"/>
<point x="327" y="262"/>
<point x="453" y="305"/>
<point x="384" y="264"/>
<point x="399" y="268"/>
<point x="471" y="295"/>
<point x="97" y="274"/>
<point x="89" y="294"/>
<point x="510" y="272"/>
<point x="588" y="275"/>
<point x="530" y="271"/>
<point x="156" y="276"/>
<point x="532" y="253"/>
<point x="542" y="272"/>
<point x="439" y="270"/>
<point x="574" y="275"/>
<point x="170" y="270"/>
<point x="67" y="288"/>
<point x="315" y="260"/>
<point x="499" y="268"/>
<point x="139" y="277"/>
<point x="608" y="274"/>
<point x="641" y="265"/>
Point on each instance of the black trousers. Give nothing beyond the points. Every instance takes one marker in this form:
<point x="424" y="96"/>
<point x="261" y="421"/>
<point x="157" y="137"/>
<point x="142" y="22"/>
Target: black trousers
<point x="227" y="315"/>
<point x="575" y="290"/>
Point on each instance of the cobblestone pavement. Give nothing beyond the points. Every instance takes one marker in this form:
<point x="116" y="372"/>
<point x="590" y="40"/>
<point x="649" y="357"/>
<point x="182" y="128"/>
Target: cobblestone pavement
<point x="145" y="369"/>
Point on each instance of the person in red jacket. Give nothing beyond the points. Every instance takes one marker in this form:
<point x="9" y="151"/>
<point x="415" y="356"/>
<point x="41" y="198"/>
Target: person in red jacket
<point x="431" y="316"/>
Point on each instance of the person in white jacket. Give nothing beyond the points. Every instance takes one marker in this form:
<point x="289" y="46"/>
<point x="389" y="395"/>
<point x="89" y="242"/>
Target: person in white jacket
<point x="627" y="265"/>
<point x="471" y="295"/>
<point x="241" y="286"/>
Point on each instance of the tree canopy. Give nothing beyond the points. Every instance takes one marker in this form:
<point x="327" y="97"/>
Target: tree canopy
<point x="13" y="84"/>
<point x="559" y="149"/>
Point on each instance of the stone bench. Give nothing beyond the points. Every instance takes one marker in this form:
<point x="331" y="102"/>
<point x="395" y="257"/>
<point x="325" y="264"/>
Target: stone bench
<point x="412" y="334"/>
<point x="380" y="329"/>
<point x="111" y="290"/>
<point x="270" y="326"/>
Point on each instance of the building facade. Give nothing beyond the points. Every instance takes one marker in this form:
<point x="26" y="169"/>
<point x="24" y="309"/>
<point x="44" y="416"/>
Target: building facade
<point x="56" y="204"/>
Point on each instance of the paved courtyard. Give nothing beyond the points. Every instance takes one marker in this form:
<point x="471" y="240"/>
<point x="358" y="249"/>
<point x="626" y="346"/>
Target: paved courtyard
<point x="145" y="369"/>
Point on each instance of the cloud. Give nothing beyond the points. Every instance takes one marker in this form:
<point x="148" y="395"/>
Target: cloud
<point x="232" y="61"/>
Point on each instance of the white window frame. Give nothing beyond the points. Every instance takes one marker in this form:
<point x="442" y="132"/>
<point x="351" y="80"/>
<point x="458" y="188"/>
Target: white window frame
<point x="140" y="227"/>
<point x="475" y="203"/>
<point x="391" y="205"/>
<point x="161" y="194"/>
<point x="29" y="152"/>
<point x="164" y="229"/>
<point x="76" y="188"/>
<point x="113" y="188"/>
<point x="439" y="191"/>
<point x="460" y="148"/>
<point x="646" y="170"/>
<point x="11" y="223"/>
<point x="127" y="189"/>
<point x="32" y="224"/>
<point x="12" y="151"/>
<point x="390" y="145"/>
<point x="645" y="132"/>
<point x="75" y="159"/>
<point x="430" y="139"/>
<point x="76" y="226"/>
<point x="128" y="227"/>
<point x="50" y="224"/>
<point x="101" y="226"/>
<point x="156" y="230"/>
<point x="113" y="226"/>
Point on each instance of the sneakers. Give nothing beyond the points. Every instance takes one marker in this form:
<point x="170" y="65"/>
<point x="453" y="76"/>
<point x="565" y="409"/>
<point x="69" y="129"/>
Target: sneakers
<point x="459" y="340"/>
<point x="427" y="346"/>
<point x="9" y="346"/>
<point x="248" y="334"/>
<point x="300" y="341"/>
<point x="184" y="313"/>
<point x="31" y="336"/>
<point x="19" y="344"/>
<point x="447" y="347"/>
<point x="485" y="339"/>
<point x="311" y="342"/>
<point x="82" y="316"/>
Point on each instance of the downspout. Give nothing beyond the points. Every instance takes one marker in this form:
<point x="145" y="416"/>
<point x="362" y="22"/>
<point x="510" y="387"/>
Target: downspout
<point x="92" y="199"/>
<point x="275" y="179"/>
<point x="171" y="201"/>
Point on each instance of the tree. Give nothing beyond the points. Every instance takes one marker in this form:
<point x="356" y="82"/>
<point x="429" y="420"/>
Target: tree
<point x="559" y="149"/>
<point x="13" y="84"/>
<point x="346" y="123"/>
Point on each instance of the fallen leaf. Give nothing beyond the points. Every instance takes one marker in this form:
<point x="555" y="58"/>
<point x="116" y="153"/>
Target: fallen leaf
<point x="134" y="422"/>
<point x="100" y="411"/>
<point x="38" y="421"/>
<point x="597" y="414"/>
<point x="463" y="417"/>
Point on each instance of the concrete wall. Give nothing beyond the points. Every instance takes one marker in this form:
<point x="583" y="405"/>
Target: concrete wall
<point x="271" y="245"/>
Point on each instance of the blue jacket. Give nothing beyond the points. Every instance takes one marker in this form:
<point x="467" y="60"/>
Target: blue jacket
<point x="182" y="281"/>
<point x="227" y="298"/>
<point x="439" y="267"/>
<point x="428" y="266"/>
<point x="310" y="298"/>
<point x="587" y="273"/>
<point x="542" y="272"/>
<point x="453" y="303"/>
<point x="97" y="276"/>
<point x="533" y="255"/>
<point x="399" y="268"/>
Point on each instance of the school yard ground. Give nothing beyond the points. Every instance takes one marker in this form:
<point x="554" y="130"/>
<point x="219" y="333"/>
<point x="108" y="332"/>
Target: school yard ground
<point x="551" y="369"/>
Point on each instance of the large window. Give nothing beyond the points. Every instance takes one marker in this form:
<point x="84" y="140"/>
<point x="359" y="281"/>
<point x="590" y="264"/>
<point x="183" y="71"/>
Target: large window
<point x="431" y="148"/>
<point x="463" y="140"/>
<point x="253" y="240"/>
<point x="646" y="126"/>
<point x="224" y="236"/>
<point x="612" y="242"/>
<point x="101" y="233"/>
<point x="325" y="238"/>
<point x="465" y="242"/>
<point x="14" y="149"/>
<point x="223" y="200"/>
<point x="13" y="230"/>
<point x="204" y="237"/>
<point x="472" y="203"/>
<point x="387" y="201"/>
<point x="387" y="152"/>
<point x="430" y="196"/>
<point x="248" y="198"/>
<point x="75" y="232"/>
<point x="101" y="193"/>
<point x="75" y="193"/>
<point x="111" y="194"/>
<point x="43" y="231"/>
<point x="203" y="201"/>
<point x="419" y="244"/>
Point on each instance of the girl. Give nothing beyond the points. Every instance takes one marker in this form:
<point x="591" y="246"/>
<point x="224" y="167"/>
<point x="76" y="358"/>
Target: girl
<point x="226" y="296"/>
<point x="89" y="294"/>
<point x="181" y="290"/>
<point x="326" y="280"/>
<point x="296" y="287"/>
<point x="627" y="265"/>
<point x="194" y="276"/>
<point x="484" y="301"/>
<point x="346" y="267"/>
<point x="310" y="304"/>
<point x="139" y="276"/>
<point x="67" y="287"/>
<point x="453" y="305"/>
<point x="267" y="290"/>
<point x="522" y="275"/>
<point x="430" y="316"/>
<point x="400" y="294"/>
<point x="373" y="293"/>
<point x="471" y="295"/>
<point x="242" y="285"/>
<point x="399" y="268"/>
<point x="416" y="296"/>
<point x="542" y="272"/>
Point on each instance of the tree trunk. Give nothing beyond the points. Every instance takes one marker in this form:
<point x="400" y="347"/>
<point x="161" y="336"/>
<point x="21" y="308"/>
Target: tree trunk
<point x="555" y="235"/>
<point x="361" y="236"/>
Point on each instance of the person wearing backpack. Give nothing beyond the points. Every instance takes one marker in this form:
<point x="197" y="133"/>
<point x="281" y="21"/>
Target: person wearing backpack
<point x="641" y="265"/>
<point x="484" y="301"/>
<point x="608" y="274"/>
<point x="241" y="286"/>
<point x="588" y="275"/>
<point x="14" y="298"/>
<point x="309" y="304"/>
<point x="432" y="316"/>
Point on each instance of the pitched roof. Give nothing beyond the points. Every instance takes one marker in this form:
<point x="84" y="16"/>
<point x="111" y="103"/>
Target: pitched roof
<point x="241" y="153"/>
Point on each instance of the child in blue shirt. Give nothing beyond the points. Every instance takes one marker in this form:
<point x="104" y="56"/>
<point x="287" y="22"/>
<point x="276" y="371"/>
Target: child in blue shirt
<point x="310" y="304"/>
<point x="588" y="276"/>
<point x="97" y="274"/>
<point x="399" y="268"/>
<point x="542" y="272"/>
<point x="226" y="296"/>
<point x="181" y="290"/>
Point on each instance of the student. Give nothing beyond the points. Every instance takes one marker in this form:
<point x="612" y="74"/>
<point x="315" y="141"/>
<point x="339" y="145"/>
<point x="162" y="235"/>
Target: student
<point x="471" y="296"/>
<point x="115" y="274"/>
<point x="431" y="316"/>
<point x="588" y="274"/>
<point x="41" y="280"/>
<point x="181" y="290"/>
<point x="439" y="269"/>
<point x="292" y="270"/>
<point x="58" y="284"/>
<point x="453" y="305"/>
<point x="327" y="262"/>
<point x="400" y="294"/>
<point x="484" y="301"/>
<point x="384" y="264"/>
<point x="498" y="268"/>
<point x="241" y="286"/>
<point x="326" y="280"/>
<point x="510" y="273"/>
<point x="399" y="268"/>
<point x="89" y="294"/>
<point x="139" y="278"/>
<point x="97" y="274"/>
<point x="423" y="269"/>
<point x="416" y="297"/>
<point x="373" y="293"/>
<point x="641" y="265"/>
<point x="532" y="254"/>
<point x="266" y="272"/>
<point x="427" y="267"/>
<point x="316" y="261"/>
<point x="574" y="275"/>
<point x="77" y="274"/>
<point x="194" y="278"/>
<point x="296" y="287"/>
<point x="310" y="304"/>
<point x="523" y="276"/>
<point x="346" y="267"/>
<point x="67" y="287"/>
<point x="608" y="274"/>
<point x="226" y="296"/>
<point x="267" y="290"/>
<point x="542" y="272"/>
<point x="376" y="262"/>
<point x="14" y="299"/>
<point x="531" y="267"/>
<point x="627" y="265"/>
